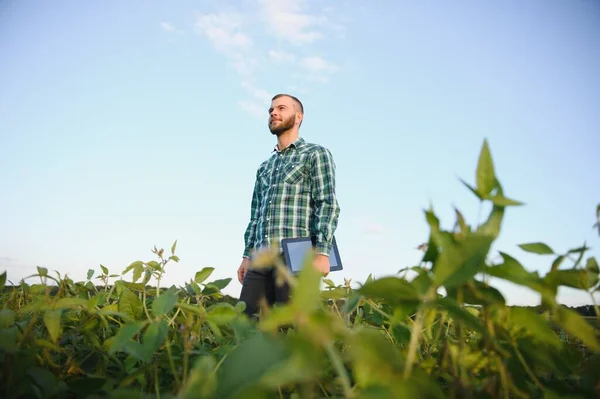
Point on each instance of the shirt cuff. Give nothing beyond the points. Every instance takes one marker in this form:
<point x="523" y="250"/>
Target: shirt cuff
<point x="323" y="248"/>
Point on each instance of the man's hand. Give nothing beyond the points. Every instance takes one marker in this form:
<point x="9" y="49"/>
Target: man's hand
<point x="321" y="263"/>
<point x="243" y="269"/>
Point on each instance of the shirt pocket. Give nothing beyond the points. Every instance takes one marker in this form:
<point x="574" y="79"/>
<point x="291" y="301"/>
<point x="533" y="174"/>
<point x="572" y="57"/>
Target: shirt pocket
<point x="264" y="178"/>
<point x="294" y="173"/>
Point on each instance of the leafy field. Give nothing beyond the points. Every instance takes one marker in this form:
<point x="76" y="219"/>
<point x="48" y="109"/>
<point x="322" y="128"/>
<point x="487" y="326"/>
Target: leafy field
<point x="392" y="337"/>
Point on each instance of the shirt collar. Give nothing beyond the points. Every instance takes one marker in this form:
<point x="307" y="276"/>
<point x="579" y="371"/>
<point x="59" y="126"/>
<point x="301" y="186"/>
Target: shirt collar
<point x="296" y="143"/>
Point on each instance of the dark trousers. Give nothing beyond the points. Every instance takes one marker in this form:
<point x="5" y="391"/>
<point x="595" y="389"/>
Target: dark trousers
<point x="259" y="284"/>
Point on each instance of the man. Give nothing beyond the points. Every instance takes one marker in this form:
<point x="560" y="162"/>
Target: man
<point x="294" y="196"/>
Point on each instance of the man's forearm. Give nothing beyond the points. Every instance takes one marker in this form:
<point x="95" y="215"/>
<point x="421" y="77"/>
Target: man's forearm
<point x="250" y="234"/>
<point x="327" y="209"/>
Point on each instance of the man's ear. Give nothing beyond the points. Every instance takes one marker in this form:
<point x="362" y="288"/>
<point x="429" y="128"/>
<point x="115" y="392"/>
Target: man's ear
<point x="299" y="117"/>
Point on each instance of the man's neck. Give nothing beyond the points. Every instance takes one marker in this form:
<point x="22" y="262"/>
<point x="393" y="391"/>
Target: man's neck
<point x="286" y="138"/>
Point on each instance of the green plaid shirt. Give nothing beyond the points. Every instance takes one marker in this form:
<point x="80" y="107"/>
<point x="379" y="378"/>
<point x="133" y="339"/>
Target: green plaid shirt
<point x="294" y="196"/>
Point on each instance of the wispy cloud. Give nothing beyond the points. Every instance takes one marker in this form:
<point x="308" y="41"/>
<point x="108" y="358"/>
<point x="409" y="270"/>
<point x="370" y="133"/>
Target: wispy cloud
<point x="225" y="32"/>
<point x="235" y="34"/>
<point x="281" y="56"/>
<point x="288" y="20"/>
<point x="252" y="107"/>
<point x="170" y="28"/>
<point x="317" y="68"/>
<point x="371" y="226"/>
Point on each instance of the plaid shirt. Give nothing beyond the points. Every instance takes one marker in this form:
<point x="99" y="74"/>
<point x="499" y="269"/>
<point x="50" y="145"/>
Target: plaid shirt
<point x="294" y="196"/>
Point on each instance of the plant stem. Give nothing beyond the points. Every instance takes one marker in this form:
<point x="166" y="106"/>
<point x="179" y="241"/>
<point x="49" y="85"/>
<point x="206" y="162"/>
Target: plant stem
<point x="339" y="368"/>
<point x="144" y="303"/>
<point x="376" y="308"/>
<point x="524" y="363"/>
<point x="156" y="387"/>
<point x="172" y="364"/>
<point x="503" y="378"/>
<point x="414" y="342"/>
<point x="596" y="308"/>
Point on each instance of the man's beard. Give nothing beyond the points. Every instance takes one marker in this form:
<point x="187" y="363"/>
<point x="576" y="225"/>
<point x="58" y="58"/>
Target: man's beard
<point x="282" y="126"/>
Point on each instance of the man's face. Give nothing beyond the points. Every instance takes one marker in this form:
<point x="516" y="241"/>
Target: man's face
<point x="282" y="115"/>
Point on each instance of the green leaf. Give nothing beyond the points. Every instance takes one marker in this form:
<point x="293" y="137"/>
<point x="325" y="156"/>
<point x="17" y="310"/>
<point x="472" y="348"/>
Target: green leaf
<point x="2" y="280"/>
<point x="42" y="271"/>
<point x="52" y="322"/>
<point x="90" y="274"/>
<point x="249" y="362"/>
<point x="137" y="272"/>
<point x="431" y="253"/>
<point x="221" y="313"/>
<point x="352" y="302"/>
<point x="202" y="381"/>
<point x="578" y="278"/>
<point x="130" y="304"/>
<point x="458" y="313"/>
<point x="535" y="325"/>
<point x="486" y="177"/>
<point x="85" y="386"/>
<point x="557" y="262"/>
<point x="537" y="248"/>
<point x="493" y="224"/>
<point x="511" y="270"/>
<point x="174" y="258"/>
<point x="221" y="283"/>
<point x="460" y="261"/>
<point x="502" y="201"/>
<point x="476" y="292"/>
<point x="306" y="295"/>
<point x="329" y="283"/>
<point x="154" y="336"/>
<point x="394" y="290"/>
<point x="203" y="274"/>
<point x="240" y="306"/>
<point x="375" y="360"/>
<point x="125" y="333"/>
<point x="46" y="382"/>
<point x="173" y="247"/>
<point x="460" y="221"/>
<point x="8" y="339"/>
<point x="104" y="269"/>
<point x="577" y="326"/>
<point x="472" y="189"/>
<point x="7" y="318"/>
<point x="164" y="303"/>
<point x="132" y="266"/>
<point x="153" y="265"/>
<point x="592" y="265"/>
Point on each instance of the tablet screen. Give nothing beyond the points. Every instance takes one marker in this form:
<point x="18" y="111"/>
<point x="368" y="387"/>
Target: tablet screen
<point x="298" y="250"/>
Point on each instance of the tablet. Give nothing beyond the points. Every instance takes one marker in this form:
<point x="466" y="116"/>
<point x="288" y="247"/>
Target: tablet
<point x="295" y="251"/>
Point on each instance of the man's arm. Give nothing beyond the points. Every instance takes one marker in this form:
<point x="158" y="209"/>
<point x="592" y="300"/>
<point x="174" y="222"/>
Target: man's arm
<point x="250" y="234"/>
<point x="326" y="208"/>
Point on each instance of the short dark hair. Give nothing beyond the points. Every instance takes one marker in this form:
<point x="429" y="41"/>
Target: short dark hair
<point x="292" y="97"/>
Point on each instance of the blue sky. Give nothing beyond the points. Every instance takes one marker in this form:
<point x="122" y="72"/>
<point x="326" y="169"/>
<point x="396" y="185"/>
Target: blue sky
<point x="125" y="125"/>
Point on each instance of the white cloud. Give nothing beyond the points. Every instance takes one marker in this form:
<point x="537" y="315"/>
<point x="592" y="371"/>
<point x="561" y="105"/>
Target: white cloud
<point x="372" y="227"/>
<point x="253" y="107"/>
<point x="170" y="28"/>
<point x="317" y="64"/>
<point x="317" y="68"/>
<point x="287" y="21"/>
<point x="231" y="33"/>
<point x="257" y="93"/>
<point x="280" y="56"/>
<point x="224" y="30"/>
